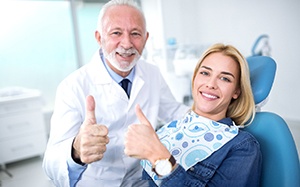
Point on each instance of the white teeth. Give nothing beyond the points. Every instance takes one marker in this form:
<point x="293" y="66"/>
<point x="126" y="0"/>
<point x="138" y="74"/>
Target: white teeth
<point x="125" y="54"/>
<point x="209" y="96"/>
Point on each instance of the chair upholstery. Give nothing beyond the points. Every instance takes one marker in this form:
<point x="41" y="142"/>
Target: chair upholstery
<point x="262" y="74"/>
<point x="281" y="166"/>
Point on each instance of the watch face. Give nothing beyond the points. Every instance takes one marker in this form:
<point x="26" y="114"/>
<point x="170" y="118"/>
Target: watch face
<point x="163" y="167"/>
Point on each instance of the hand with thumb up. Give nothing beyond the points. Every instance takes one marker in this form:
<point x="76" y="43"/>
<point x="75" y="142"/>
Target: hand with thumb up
<point x="90" y="143"/>
<point x="142" y="142"/>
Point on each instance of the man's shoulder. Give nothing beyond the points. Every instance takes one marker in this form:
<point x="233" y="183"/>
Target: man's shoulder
<point x="85" y="72"/>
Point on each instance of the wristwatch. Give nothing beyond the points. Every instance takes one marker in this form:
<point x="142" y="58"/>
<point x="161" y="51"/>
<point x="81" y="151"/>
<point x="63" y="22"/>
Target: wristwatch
<point x="164" y="167"/>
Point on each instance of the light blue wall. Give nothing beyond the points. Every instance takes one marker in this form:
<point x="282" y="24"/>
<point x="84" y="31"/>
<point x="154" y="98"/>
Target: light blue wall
<point x="37" y="48"/>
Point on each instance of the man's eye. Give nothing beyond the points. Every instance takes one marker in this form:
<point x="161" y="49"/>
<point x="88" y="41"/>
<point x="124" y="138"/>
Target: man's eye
<point x="116" y="33"/>
<point x="136" y="34"/>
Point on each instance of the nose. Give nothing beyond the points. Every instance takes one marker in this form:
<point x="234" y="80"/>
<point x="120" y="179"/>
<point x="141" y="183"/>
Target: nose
<point x="126" y="41"/>
<point x="211" y="83"/>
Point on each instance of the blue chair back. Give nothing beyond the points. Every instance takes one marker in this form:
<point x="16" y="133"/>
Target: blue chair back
<point x="281" y="166"/>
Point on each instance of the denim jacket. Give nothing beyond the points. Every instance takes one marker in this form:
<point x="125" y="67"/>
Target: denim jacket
<point x="236" y="164"/>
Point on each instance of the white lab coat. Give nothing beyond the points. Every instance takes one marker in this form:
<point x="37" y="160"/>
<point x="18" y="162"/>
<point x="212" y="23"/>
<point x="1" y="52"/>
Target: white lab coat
<point x="114" y="110"/>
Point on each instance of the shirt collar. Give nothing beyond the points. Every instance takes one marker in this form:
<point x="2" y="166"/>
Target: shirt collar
<point x="228" y="121"/>
<point x="113" y="74"/>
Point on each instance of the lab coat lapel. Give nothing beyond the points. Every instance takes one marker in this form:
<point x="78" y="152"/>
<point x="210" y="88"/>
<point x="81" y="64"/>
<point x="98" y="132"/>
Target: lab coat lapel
<point x="101" y="77"/>
<point x="137" y="85"/>
<point x="98" y="71"/>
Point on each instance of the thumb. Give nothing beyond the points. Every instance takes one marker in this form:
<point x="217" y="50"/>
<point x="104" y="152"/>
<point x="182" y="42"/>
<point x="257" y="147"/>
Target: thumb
<point x="140" y="115"/>
<point x="90" y="110"/>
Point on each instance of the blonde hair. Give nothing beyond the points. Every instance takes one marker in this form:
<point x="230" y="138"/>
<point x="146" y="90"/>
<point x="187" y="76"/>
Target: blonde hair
<point x="242" y="109"/>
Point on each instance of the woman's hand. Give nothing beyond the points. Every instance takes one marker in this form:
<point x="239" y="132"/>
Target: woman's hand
<point x="142" y="142"/>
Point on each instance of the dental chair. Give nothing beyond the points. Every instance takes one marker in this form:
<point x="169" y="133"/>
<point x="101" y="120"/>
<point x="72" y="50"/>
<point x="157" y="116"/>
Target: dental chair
<point x="280" y="166"/>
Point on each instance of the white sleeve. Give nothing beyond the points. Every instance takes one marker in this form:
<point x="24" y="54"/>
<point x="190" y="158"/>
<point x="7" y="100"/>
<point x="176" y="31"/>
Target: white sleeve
<point x="169" y="109"/>
<point x="65" y="123"/>
<point x="55" y="163"/>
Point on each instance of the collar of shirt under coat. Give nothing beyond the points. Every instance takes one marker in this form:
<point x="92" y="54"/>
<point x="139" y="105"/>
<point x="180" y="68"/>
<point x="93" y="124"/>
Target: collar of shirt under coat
<point x="113" y="74"/>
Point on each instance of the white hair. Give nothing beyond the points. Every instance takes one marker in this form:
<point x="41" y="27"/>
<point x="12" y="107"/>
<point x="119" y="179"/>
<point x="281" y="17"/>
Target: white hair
<point x="111" y="3"/>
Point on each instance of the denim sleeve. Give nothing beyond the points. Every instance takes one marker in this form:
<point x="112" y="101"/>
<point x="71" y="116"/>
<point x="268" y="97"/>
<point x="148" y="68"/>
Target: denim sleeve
<point x="241" y="167"/>
<point x="236" y="164"/>
<point x="75" y="171"/>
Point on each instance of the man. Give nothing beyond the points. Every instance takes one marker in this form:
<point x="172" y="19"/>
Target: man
<point x="92" y="111"/>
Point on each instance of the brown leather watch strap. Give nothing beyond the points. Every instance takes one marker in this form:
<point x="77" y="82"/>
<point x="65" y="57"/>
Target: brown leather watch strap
<point x="172" y="160"/>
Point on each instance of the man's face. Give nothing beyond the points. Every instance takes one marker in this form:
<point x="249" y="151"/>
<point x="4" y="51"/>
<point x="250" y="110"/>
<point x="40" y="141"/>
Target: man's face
<point x="123" y="37"/>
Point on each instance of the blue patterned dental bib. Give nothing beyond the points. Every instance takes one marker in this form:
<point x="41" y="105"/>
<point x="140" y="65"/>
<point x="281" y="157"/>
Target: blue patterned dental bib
<point x="191" y="140"/>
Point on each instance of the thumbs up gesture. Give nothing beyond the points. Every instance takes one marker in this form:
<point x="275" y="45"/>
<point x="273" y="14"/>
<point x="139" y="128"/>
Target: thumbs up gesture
<point x="142" y="142"/>
<point x="90" y="143"/>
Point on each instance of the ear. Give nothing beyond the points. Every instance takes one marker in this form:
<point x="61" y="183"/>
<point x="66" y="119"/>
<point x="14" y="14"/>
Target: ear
<point x="146" y="38"/>
<point x="236" y="93"/>
<point x="98" y="37"/>
<point x="147" y="35"/>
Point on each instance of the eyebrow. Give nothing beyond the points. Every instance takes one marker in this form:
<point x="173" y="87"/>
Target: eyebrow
<point x="223" y="72"/>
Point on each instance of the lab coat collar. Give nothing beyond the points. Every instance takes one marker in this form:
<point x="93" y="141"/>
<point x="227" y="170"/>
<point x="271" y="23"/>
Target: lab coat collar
<point x="98" y="71"/>
<point x="113" y="74"/>
<point x="99" y="75"/>
<point x="138" y="81"/>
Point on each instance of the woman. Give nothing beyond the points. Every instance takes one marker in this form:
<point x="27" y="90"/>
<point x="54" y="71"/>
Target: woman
<point x="206" y="147"/>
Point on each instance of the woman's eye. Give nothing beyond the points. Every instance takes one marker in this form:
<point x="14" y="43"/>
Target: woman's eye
<point x="204" y="73"/>
<point x="225" y="79"/>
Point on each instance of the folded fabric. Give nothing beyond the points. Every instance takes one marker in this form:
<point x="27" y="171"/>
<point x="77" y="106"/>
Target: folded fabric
<point x="192" y="139"/>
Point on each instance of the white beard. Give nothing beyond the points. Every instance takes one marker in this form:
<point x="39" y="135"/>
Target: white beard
<point x="123" y="66"/>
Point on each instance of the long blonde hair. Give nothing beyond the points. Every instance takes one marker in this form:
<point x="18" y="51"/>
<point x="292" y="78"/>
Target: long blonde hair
<point x="242" y="109"/>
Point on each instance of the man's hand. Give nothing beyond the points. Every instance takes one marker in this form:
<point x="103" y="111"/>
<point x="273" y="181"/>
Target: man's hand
<point x="90" y="143"/>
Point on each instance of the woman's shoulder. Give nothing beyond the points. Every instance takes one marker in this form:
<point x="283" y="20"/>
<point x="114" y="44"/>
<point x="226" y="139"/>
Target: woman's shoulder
<point x="246" y="135"/>
<point x="245" y="139"/>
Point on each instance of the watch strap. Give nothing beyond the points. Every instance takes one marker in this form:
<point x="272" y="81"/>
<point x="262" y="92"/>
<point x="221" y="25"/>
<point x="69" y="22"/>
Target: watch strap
<point x="172" y="160"/>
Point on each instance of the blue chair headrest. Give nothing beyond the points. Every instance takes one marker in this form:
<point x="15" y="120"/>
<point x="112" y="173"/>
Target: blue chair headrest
<point x="262" y="74"/>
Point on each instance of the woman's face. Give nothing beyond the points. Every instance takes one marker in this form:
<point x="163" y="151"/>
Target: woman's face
<point x="215" y="85"/>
